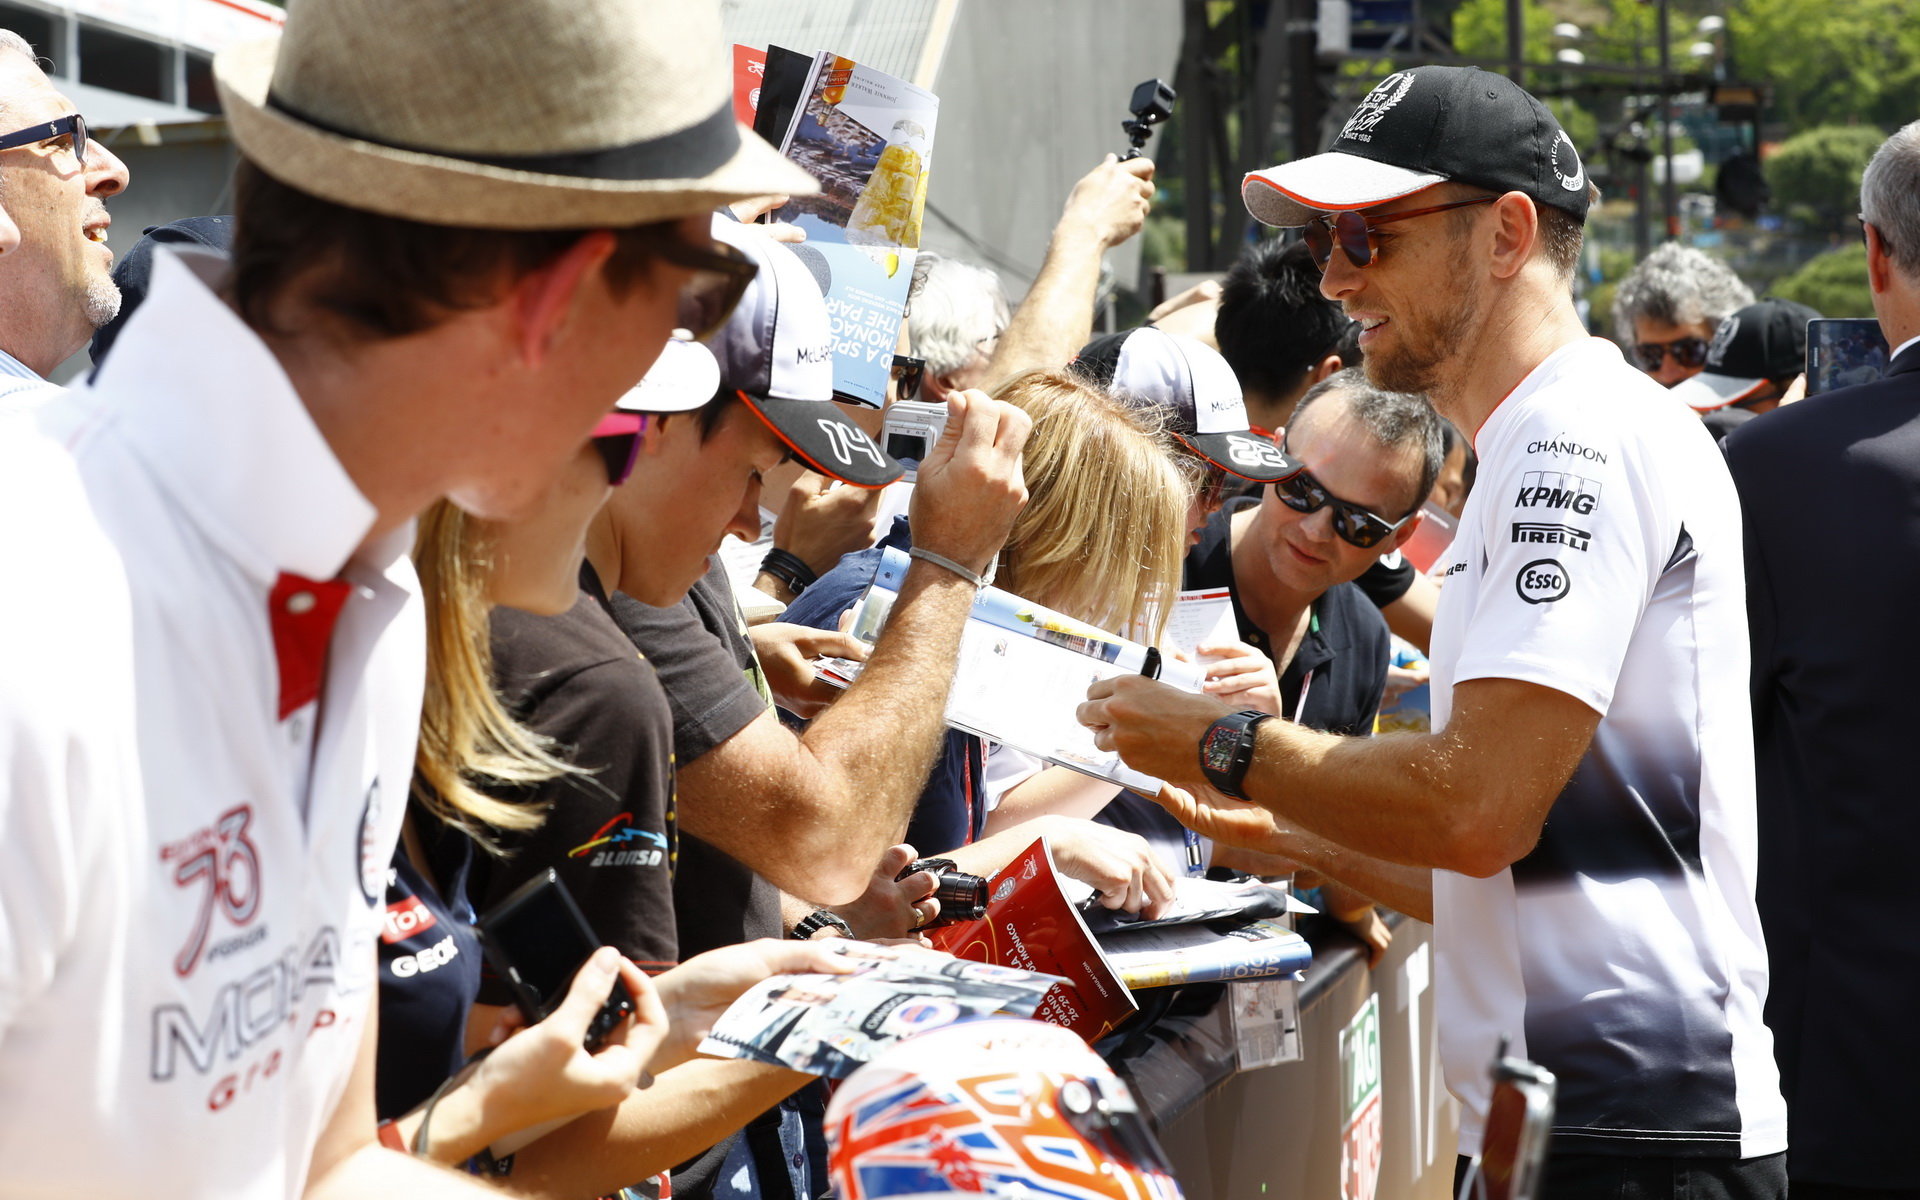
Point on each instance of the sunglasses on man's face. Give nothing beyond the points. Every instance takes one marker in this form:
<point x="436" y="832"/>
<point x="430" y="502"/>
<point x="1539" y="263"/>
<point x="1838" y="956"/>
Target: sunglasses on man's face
<point x="1359" y="527"/>
<point x="1689" y="352"/>
<point x="73" y="126"/>
<point x="721" y="275"/>
<point x="907" y="374"/>
<point x="1354" y="232"/>
<point x="616" y="439"/>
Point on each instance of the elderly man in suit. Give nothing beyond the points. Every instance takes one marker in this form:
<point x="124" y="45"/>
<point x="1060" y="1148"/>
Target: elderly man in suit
<point x="1828" y="490"/>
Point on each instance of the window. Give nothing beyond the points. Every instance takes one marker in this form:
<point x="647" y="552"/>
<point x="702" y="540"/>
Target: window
<point x="122" y="63"/>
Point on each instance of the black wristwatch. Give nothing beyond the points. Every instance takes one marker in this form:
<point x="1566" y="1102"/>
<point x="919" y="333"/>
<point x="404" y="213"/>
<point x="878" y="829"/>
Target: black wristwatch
<point x="817" y="920"/>
<point x="1226" y="750"/>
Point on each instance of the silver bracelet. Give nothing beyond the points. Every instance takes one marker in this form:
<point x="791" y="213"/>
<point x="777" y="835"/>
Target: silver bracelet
<point x="942" y="561"/>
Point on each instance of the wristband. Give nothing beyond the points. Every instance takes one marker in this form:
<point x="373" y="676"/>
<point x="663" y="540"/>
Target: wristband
<point x="815" y="921"/>
<point x="789" y="568"/>
<point x="945" y="563"/>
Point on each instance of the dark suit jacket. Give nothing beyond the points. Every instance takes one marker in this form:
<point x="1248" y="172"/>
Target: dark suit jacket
<point x="1830" y="488"/>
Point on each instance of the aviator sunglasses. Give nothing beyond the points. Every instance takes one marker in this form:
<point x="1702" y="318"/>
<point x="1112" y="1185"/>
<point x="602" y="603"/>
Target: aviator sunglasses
<point x="1689" y="352"/>
<point x="616" y="439"/>
<point x="1357" y="526"/>
<point x="1354" y="232"/>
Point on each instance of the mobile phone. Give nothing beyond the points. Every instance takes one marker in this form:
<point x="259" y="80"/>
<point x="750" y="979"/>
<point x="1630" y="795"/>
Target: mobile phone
<point x="1844" y="351"/>
<point x="1513" y="1151"/>
<point x="537" y="939"/>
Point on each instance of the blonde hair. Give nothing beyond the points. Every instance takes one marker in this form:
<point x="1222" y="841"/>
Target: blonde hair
<point x="468" y="740"/>
<point x="1103" y="535"/>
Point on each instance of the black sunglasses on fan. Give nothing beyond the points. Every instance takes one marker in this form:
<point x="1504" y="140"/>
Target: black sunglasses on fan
<point x="1357" y="526"/>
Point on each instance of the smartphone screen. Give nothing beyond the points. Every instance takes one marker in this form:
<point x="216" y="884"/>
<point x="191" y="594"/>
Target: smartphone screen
<point x="536" y="939"/>
<point x="1842" y="352"/>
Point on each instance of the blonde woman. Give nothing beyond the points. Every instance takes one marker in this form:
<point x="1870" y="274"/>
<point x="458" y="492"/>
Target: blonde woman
<point x="434" y="1100"/>
<point x="1101" y="539"/>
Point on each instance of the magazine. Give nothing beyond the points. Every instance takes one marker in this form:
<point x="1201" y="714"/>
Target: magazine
<point x="1166" y="955"/>
<point x="1200" y="617"/>
<point x="1022" y="673"/>
<point x="1194" y="901"/>
<point x="833" y="1024"/>
<point x="868" y="138"/>
<point x="1030" y="924"/>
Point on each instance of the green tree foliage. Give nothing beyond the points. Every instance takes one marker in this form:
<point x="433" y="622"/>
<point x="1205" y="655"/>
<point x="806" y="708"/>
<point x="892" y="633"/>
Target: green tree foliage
<point x="1834" y="284"/>
<point x="1829" y="63"/>
<point x="1815" y="175"/>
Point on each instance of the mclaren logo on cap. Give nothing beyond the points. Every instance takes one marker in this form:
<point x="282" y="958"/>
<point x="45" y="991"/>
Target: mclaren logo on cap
<point x="1563" y="148"/>
<point x="1722" y="338"/>
<point x="1385" y="94"/>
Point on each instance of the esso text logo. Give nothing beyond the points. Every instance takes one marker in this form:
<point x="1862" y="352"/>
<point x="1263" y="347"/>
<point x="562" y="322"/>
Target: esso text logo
<point x="1542" y="580"/>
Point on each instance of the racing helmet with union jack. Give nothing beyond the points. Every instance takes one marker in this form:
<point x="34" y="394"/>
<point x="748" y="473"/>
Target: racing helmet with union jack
<point x="998" y="1107"/>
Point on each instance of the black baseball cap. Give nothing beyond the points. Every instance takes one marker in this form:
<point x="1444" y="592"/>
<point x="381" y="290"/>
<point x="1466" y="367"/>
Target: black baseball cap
<point x="776" y="351"/>
<point x="1194" y="389"/>
<point x="1763" y="343"/>
<point x="1425" y="126"/>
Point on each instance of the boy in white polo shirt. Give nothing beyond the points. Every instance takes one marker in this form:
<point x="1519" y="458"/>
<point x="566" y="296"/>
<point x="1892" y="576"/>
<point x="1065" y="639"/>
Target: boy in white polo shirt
<point x="461" y="236"/>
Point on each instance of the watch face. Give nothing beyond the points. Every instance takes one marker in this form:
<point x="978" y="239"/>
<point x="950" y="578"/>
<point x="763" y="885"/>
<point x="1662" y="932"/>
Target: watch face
<point x="1216" y="753"/>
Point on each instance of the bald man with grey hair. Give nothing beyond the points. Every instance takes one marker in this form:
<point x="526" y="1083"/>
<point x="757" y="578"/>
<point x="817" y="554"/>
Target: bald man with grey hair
<point x="55" y="286"/>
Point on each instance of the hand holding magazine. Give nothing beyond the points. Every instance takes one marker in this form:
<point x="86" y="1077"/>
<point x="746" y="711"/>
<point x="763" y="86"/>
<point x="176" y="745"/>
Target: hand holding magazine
<point x="1023" y="671"/>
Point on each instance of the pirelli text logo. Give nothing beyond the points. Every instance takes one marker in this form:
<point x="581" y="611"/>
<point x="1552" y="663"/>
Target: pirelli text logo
<point x="1557" y="490"/>
<point x="1542" y="533"/>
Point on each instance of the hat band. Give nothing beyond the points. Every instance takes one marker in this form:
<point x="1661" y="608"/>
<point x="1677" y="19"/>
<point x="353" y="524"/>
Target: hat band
<point x="691" y="153"/>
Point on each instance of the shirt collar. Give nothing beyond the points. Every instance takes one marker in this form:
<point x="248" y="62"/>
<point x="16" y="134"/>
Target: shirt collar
<point x="14" y="368"/>
<point x="1902" y="348"/>
<point x="205" y="406"/>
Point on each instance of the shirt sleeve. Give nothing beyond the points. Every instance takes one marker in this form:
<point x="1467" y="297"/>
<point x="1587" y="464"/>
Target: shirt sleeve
<point x="709" y="693"/>
<point x="608" y="834"/>
<point x="1387" y="579"/>
<point x="1572" y="540"/>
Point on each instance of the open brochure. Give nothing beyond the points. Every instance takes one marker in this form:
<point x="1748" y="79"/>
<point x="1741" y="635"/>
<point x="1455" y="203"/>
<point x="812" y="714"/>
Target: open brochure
<point x="1023" y="671"/>
<point x="1196" y="901"/>
<point x="1165" y="955"/>
<point x="868" y="138"/>
<point x="1031" y="924"/>
<point x="833" y="1024"/>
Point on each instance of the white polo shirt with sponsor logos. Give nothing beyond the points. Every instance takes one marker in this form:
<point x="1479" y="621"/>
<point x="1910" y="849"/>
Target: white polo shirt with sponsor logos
<point x="208" y="704"/>
<point x="1600" y="555"/>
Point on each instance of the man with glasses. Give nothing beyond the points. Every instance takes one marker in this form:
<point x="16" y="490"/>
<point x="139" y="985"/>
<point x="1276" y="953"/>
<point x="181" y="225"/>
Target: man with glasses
<point x="1580" y="825"/>
<point x="55" y="289"/>
<point x="1668" y="307"/>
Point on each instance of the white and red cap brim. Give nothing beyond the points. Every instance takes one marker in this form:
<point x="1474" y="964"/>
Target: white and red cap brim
<point x="1292" y="194"/>
<point x="1706" y="391"/>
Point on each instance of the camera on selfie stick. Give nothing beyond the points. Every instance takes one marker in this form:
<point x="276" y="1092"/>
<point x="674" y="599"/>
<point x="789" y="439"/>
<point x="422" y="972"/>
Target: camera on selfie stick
<point x="1152" y="103"/>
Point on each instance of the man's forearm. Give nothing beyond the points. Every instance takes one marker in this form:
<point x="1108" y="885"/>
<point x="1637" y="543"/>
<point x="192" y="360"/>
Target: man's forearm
<point x="883" y="735"/>
<point x="686" y="1111"/>
<point x="1401" y="888"/>
<point x="1056" y="318"/>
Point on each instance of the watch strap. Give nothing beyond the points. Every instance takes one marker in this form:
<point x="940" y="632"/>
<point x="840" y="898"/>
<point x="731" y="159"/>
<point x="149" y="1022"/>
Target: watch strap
<point x="1226" y="750"/>
<point x="815" y="921"/>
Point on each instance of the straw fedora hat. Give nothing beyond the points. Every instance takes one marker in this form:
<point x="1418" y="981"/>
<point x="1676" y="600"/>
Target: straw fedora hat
<point x="502" y="114"/>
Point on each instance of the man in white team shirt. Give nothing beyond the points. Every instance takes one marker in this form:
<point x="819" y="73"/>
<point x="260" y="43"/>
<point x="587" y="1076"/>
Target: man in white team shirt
<point x="1580" y="828"/>
<point x="461" y="233"/>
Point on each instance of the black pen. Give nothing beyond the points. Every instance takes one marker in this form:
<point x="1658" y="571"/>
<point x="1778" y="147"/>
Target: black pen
<point x="1150" y="665"/>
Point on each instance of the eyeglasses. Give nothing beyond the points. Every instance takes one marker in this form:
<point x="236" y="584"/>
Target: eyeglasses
<point x="616" y="439"/>
<point x="907" y="373"/>
<point x="73" y="126"/>
<point x="721" y="276"/>
<point x="1354" y="232"/>
<point x="1689" y="352"/>
<point x="1357" y="526"/>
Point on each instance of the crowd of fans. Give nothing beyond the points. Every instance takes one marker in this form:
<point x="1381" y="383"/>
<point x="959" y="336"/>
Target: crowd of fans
<point x="361" y="585"/>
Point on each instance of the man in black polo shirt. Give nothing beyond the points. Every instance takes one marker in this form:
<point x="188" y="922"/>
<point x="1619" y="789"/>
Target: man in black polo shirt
<point x="1291" y="573"/>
